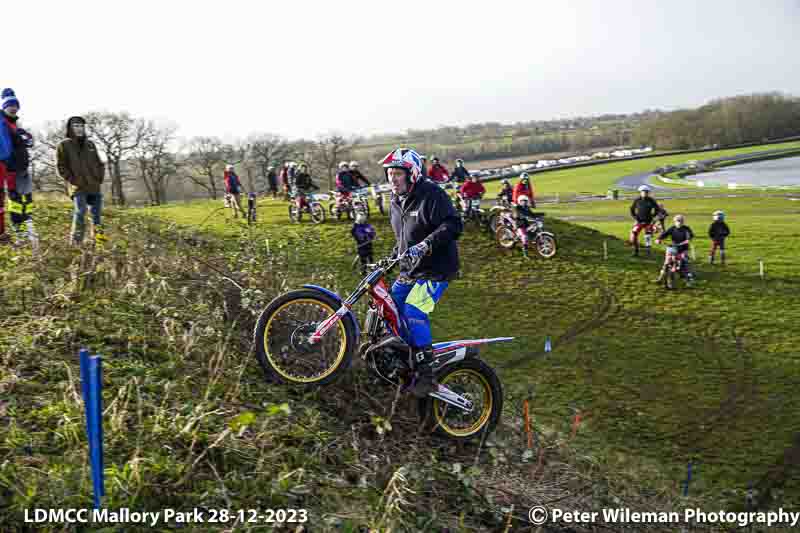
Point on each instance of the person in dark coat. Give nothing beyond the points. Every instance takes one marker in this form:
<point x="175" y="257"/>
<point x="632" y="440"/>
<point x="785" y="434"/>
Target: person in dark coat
<point x="718" y="232"/>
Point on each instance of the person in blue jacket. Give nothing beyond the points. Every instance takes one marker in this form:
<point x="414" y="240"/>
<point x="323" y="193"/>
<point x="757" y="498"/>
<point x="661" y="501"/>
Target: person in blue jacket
<point x="426" y="226"/>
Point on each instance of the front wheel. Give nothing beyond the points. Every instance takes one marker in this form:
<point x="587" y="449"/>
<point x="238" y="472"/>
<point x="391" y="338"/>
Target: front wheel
<point x="281" y="335"/>
<point x="546" y="245"/>
<point x="294" y="213"/>
<point x="317" y="213"/>
<point x="476" y="381"/>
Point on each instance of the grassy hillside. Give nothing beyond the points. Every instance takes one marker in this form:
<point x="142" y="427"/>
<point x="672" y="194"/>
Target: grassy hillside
<point x="190" y="422"/>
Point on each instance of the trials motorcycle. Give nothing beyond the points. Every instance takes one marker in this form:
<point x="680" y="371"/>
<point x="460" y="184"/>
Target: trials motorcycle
<point x="309" y="336"/>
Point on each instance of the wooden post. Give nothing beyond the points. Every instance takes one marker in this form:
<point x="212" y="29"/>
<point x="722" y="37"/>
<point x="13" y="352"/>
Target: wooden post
<point x="527" y="423"/>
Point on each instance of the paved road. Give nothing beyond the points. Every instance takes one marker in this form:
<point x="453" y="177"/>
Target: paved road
<point x="633" y="181"/>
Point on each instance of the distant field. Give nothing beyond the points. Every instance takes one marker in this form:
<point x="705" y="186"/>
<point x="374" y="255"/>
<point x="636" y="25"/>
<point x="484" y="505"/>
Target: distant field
<point x="599" y="178"/>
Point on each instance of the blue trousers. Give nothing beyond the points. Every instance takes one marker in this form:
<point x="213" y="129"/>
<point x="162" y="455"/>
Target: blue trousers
<point x="80" y="202"/>
<point x="415" y="301"/>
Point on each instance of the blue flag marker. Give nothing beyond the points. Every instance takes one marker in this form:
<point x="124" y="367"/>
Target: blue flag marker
<point x="91" y="387"/>
<point x="547" y="345"/>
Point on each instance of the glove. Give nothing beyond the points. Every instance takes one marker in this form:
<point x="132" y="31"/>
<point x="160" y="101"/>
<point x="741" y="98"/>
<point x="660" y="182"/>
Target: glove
<point x="418" y="250"/>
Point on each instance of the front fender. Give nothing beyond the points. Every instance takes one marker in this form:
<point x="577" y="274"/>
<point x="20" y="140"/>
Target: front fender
<point x="338" y="299"/>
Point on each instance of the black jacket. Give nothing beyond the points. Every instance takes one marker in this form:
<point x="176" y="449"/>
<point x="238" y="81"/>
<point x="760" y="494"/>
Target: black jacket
<point x="358" y="177"/>
<point x="302" y="181"/>
<point x="461" y="174"/>
<point x="678" y="235"/>
<point x="718" y="230"/>
<point x="428" y="214"/>
<point x="644" y="210"/>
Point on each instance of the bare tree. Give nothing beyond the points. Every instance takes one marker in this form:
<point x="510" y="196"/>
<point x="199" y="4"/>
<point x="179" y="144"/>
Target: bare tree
<point x="155" y="164"/>
<point x="118" y="135"/>
<point x="268" y="150"/>
<point x="329" y="150"/>
<point x="206" y="155"/>
<point x="43" y="159"/>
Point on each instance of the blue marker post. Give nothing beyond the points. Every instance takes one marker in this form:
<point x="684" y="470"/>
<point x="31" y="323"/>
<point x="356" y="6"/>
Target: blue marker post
<point x="92" y="387"/>
<point x="688" y="480"/>
<point x="547" y="346"/>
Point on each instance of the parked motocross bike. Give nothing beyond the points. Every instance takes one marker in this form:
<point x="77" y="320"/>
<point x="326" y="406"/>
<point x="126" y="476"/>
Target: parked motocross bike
<point x="310" y="204"/>
<point x="543" y="241"/>
<point x="676" y="264"/>
<point x="471" y="211"/>
<point x="348" y="204"/>
<point x="308" y="337"/>
<point x="502" y="205"/>
<point x="381" y="202"/>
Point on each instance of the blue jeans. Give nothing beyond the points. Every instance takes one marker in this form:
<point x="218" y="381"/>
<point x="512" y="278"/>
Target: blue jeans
<point x="80" y="201"/>
<point x="415" y="301"/>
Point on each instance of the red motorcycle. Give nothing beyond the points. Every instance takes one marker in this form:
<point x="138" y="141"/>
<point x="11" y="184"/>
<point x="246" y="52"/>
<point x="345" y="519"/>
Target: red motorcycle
<point x="676" y="264"/>
<point x="308" y="337"/>
<point x="301" y="203"/>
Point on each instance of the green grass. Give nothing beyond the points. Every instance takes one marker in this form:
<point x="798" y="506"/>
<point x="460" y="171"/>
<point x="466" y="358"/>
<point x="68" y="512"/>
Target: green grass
<point x="600" y="178"/>
<point x="631" y="354"/>
<point x="708" y="373"/>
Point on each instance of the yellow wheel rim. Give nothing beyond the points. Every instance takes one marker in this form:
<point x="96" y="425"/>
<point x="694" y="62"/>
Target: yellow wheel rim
<point x="280" y="352"/>
<point x="442" y="409"/>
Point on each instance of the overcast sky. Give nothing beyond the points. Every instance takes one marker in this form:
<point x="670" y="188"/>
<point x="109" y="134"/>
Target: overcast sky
<point x="297" y="68"/>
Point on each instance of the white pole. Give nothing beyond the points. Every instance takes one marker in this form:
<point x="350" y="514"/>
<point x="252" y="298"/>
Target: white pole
<point x="694" y="257"/>
<point x="267" y="241"/>
<point x="761" y="268"/>
<point x="605" y="249"/>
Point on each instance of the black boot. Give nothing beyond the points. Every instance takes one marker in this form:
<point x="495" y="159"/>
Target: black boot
<point x="423" y="383"/>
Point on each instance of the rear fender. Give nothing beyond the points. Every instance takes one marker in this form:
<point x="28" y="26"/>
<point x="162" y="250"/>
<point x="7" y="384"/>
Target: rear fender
<point x="338" y="300"/>
<point x="446" y="353"/>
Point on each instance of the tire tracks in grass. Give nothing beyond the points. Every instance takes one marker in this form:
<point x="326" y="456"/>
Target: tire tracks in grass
<point x="606" y="308"/>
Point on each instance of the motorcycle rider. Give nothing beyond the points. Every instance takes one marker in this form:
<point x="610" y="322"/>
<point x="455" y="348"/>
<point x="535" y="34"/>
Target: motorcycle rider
<point x="470" y="190"/>
<point x="507" y="192"/>
<point x="643" y="211"/>
<point x="303" y="184"/>
<point x="358" y="177"/>
<point x="524" y="187"/>
<point x="344" y="184"/>
<point x="272" y="181"/>
<point x="426" y="225"/>
<point x="718" y="232"/>
<point x="460" y="173"/>
<point x="363" y="233"/>
<point x="233" y="188"/>
<point x="438" y="172"/>
<point x="522" y="219"/>
<point x="424" y="170"/>
<point x="680" y="235"/>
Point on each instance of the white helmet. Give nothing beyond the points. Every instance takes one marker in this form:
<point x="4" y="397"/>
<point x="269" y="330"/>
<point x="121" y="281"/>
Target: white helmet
<point x="523" y="198"/>
<point x="361" y="218"/>
<point x="292" y="164"/>
<point x="524" y="176"/>
<point x="228" y="167"/>
<point x="353" y="163"/>
<point x="719" y="215"/>
<point x="644" y="188"/>
<point x="342" y="164"/>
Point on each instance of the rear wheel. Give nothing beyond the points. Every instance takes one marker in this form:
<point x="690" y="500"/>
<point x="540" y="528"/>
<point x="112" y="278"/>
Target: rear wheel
<point x="669" y="278"/>
<point x="294" y="213"/>
<point x="505" y="237"/>
<point x="476" y="381"/>
<point x="284" y="327"/>
<point x="546" y="246"/>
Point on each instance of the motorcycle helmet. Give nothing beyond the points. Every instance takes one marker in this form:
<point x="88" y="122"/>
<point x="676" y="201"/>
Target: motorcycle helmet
<point x="404" y="158"/>
<point x="361" y="218"/>
<point x="524" y="177"/>
<point x="353" y="164"/>
<point x="505" y="182"/>
<point x="342" y="164"/>
<point x="228" y="167"/>
<point x="678" y="219"/>
<point x="644" y="188"/>
<point x="719" y="215"/>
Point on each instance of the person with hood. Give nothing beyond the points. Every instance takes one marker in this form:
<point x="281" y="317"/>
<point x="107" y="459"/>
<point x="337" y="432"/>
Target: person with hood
<point x="438" y="172"/>
<point x="460" y="173"/>
<point x="78" y="163"/>
<point x="426" y="227"/>
<point x="364" y="234"/>
<point x="233" y="187"/>
<point x="272" y="181"/>
<point x="14" y="163"/>
<point x="524" y="187"/>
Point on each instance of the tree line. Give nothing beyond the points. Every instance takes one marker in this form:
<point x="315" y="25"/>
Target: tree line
<point x="725" y="121"/>
<point x="145" y="158"/>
